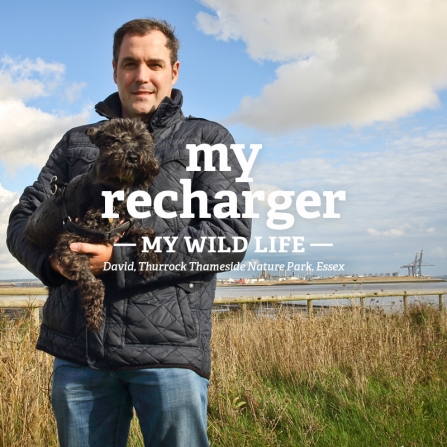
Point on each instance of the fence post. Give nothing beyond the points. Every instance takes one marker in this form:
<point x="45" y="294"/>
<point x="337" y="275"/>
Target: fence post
<point x="35" y="315"/>
<point x="309" y="307"/>
<point x="244" y="312"/>
<point x="362" y="307"/>
<point x="405" y="303"/>
<point x="441" y="303"/>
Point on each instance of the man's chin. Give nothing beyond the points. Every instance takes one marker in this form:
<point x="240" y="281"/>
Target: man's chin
<point x="142" y="113"/>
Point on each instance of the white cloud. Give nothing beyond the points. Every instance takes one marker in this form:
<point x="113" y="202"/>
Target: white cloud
<point x="342" y="61"/>
<point x="73" y="91"/>
<point x="18" y="78"/>
<point x="393" y="232"/>
<point x="8" y="200"/>
<point x="252" y="261"/>
<point x="28" y="133"/>
<point x="439" y="252"/>
<point x="395" y="199"/>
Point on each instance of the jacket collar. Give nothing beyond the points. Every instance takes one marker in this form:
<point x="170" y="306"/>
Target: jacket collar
<point x="169" y="110"/>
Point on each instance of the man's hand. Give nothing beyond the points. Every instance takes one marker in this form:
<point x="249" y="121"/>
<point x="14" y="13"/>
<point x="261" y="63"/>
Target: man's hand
<point x="57" y="267"/>
<point x="99" y="253"/>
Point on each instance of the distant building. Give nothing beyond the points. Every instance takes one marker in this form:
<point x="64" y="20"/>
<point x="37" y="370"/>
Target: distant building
<point x="28" y="284"/>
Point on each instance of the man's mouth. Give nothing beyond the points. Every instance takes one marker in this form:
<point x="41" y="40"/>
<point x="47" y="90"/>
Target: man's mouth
<point x="143" y="93"/>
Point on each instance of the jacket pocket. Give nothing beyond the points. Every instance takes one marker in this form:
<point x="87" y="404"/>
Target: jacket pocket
<point x="162" y="316"/>
<point x="60" y="310"/>
<point x="79" y="161"/>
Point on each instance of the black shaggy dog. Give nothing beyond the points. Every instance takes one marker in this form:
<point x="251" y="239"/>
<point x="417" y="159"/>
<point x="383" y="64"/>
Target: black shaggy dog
<point x="73" y="214"/>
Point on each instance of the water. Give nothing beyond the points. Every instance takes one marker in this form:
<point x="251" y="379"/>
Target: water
<point x="394" y="302"/>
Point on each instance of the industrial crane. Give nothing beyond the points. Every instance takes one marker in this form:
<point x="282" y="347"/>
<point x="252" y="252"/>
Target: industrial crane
<point x="414" y="269"/>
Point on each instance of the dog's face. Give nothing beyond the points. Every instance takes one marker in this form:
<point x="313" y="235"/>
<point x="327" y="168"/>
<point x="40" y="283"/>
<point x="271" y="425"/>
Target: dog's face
<point x="126" y="159"/>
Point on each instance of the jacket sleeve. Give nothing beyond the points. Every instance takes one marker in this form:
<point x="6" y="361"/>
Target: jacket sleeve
<point x="28" y="254"/>
<point x="225" y="228"/>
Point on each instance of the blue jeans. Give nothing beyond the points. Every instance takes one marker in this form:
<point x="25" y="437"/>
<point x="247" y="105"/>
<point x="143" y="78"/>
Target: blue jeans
<point x="93" y="408"/>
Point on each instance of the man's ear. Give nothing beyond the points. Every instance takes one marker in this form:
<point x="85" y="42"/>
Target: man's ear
<point x="114" y="71"/>
<point x="175" y="72"/>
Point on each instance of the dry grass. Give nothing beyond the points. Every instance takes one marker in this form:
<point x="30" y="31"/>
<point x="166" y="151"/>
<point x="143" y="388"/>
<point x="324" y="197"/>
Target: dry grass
<point x="265" y="373"/>
<point x="25" y="409"/>
<point x="271" y="374"/>
<point x="296" y="346"/>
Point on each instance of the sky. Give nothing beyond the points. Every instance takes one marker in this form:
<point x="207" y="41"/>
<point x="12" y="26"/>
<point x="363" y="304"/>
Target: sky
<point x="343" y="95"/>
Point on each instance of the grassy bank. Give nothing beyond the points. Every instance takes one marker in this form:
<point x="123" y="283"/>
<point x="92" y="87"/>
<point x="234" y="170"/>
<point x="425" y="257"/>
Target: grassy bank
<point x="337" y="380"/>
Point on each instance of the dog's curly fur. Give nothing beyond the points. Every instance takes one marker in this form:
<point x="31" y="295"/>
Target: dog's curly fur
<point x="126" y="161"/>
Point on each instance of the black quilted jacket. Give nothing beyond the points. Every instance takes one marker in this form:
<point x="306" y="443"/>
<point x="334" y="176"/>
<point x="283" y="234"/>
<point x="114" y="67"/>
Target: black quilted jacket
<point x="164" y="321"/>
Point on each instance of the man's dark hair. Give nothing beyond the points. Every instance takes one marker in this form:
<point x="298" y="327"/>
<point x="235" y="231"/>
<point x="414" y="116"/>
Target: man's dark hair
<point x="141" y="27"/>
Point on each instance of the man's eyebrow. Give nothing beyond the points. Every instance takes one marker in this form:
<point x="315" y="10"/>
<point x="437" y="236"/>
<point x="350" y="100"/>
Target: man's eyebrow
<point x="151" y="61"/>
<point x="157" y="61"/>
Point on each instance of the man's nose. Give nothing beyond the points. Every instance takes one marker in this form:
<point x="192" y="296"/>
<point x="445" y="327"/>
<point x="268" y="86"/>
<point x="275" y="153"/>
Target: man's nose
<point x="142" y="74"/>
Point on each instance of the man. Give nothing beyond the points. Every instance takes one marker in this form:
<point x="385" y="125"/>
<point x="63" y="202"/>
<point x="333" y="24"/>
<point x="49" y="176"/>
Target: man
<point x="153" y="349"/>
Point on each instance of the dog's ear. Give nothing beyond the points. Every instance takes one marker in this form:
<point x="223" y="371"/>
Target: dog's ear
<point x="91" y="132"/>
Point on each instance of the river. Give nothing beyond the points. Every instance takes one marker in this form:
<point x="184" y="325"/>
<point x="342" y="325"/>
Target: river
<point x="389" y="303"/>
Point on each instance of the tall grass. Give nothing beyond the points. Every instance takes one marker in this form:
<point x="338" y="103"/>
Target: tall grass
<point x="335" y="380"/>
<point x="25" y="408"/>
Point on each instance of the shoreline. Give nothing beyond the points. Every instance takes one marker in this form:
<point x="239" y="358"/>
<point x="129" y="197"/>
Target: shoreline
<point x="32" y="291"/>
<point x="375" y="280"/>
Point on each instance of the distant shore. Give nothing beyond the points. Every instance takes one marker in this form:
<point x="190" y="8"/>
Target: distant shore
<point x="10" y="290"/>
<point x="372" y="280"/>
<point x="23" y="291"/>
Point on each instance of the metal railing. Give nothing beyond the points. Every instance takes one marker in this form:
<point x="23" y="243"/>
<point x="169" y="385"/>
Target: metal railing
<point x="34" y="304"/>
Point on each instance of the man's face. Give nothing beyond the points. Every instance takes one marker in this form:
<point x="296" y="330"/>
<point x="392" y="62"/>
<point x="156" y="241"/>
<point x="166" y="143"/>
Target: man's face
<point x="144" y="74"/>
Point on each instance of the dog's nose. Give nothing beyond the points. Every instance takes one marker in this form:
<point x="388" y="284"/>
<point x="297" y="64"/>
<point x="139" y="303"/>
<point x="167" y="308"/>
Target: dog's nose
<point x="132" y="158"/>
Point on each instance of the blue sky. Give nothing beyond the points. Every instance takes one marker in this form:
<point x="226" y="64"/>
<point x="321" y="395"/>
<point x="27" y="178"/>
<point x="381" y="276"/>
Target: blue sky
<point x="348" y="97"/>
